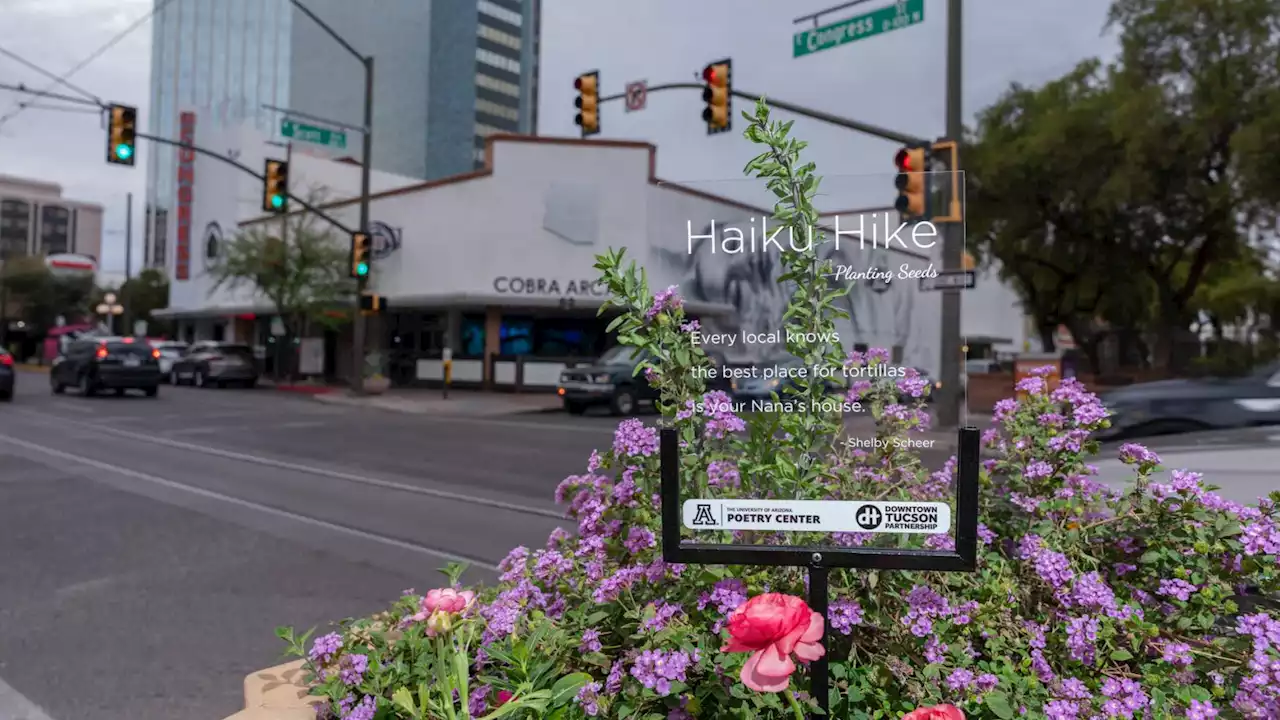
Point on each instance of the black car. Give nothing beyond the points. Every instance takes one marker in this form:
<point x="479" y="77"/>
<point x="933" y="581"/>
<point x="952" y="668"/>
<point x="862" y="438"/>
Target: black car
<point x="6" y="375"/>
<point x="612" y="380"/>
<point x="97" y="364"/>
<point x="215" y="364"/>
<point x="1184" y="405"/>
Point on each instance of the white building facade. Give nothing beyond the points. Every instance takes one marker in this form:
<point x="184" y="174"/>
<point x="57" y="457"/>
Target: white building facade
<point x="497" y="265"/>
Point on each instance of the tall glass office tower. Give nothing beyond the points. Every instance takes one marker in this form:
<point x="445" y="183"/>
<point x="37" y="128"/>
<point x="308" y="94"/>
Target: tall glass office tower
<point x="435" y="97"/>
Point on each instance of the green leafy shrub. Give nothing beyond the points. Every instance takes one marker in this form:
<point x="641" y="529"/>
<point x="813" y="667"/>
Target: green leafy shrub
<point x="1087" y="602"/>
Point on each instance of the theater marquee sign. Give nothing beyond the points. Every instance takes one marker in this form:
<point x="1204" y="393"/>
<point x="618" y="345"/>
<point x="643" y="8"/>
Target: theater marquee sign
<point x="554" y="287"/>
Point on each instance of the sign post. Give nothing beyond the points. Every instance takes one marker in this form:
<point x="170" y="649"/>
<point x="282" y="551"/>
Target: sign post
<point x="823" y="516"/>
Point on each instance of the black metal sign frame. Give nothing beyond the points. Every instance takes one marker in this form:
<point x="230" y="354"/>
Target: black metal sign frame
<point x="819" y="559"/>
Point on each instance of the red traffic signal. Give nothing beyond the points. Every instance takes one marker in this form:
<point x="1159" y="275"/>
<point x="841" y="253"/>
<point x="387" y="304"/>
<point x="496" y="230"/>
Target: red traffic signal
<point x="911" y="182"/>
<point x="717" y="93"/>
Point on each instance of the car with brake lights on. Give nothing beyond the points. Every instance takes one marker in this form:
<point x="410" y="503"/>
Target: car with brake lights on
<point x="170" y="350"/>
<point x="7" y="375"/>
<point x="611" y="380"/>
<point x="118" y="364"/>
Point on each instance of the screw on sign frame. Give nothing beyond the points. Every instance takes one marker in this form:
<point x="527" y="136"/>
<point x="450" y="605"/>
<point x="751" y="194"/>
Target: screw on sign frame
<point x="819" y="559"/>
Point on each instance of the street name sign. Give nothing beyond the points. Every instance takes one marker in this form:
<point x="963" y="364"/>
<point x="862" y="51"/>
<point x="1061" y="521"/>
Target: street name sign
<point x="310" y="133"/>
<point x="904" y="13"/>
<point x="950" y="280"/>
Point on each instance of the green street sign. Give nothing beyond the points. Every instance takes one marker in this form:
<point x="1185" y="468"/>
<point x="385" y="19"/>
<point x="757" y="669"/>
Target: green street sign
<point x="311" y="134"/>
<point x="903" y="13"/>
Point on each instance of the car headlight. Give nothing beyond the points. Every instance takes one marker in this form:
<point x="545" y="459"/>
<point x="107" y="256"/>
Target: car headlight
<point x="937" y="385"/>
<point x="774" y="383"/>
<point x="601" y="378"/>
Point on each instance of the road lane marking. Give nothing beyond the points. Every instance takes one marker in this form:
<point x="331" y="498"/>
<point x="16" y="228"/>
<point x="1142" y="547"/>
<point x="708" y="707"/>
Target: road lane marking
<point x="323" y="472"/>
<point x="13" y="706"/>
<point x="232" y="500"/>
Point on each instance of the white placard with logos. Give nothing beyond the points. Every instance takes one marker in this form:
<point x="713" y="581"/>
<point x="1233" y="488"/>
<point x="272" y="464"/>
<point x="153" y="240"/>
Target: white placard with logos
<point x="277" y="327"/>
<point x="930" y="518"/>
<point x="311" y="356"/>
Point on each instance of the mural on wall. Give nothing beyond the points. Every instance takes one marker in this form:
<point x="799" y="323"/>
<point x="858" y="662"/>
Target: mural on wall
<point x="880" y="312"/>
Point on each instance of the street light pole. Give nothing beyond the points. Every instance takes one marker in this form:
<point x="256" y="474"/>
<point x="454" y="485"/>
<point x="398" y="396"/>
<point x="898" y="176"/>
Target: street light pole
<point x="953" y="395"/>
<point x="357" y="323"/>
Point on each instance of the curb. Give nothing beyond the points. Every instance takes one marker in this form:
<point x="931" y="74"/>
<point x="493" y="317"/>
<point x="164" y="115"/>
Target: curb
<point x="305" y="389"/>
<point x="277" y="693"/>
<point x="43" y="369"/>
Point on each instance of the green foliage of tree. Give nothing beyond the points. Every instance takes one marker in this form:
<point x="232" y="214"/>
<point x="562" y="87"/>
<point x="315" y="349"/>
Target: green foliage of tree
<point x="1116" y="191"/>
<point x="38" y="297"/>
<point x="299" y="265"/>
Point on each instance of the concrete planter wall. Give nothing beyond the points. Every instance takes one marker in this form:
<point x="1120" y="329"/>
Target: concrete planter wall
<point x="277" y="693"/>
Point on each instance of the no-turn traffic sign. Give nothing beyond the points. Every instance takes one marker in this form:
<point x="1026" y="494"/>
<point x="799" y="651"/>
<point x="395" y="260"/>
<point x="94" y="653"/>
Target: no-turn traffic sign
<point x="637" y="93"/>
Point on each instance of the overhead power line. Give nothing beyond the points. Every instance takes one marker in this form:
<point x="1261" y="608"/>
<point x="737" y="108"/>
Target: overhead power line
<point x="56" y="80"/>
<point x="62" y="79"/>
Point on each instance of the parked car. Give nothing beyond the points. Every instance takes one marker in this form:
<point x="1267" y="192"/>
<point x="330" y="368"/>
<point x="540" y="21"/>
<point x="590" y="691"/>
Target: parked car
<point x="612" y="380"/>
<point x="113" y="363"/>
<point x="6" y="375"/>
<point x="170" y="350"/>
<point x="215" y="364"/>
<point x="1166" y="407"/>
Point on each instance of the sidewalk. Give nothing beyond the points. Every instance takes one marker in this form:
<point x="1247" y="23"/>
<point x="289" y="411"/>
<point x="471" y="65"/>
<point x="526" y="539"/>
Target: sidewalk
<point x="472" y="403"/>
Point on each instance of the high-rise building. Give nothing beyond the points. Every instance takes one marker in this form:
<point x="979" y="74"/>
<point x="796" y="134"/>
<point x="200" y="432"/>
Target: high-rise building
<point x="448" y="73"/>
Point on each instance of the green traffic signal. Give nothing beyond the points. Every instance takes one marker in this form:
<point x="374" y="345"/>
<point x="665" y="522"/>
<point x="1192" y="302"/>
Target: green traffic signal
<point x="362" y="269"/>
<point x="124" y="152"/>
<point x="277" y="201"/>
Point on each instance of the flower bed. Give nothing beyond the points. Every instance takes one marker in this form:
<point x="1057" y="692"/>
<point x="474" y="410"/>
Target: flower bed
<point x="1087" y="602"/>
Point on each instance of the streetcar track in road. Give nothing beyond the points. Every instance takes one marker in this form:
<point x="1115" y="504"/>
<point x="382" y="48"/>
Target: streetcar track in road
<point x="252" y="505"/>
<point x="298" y="467"/>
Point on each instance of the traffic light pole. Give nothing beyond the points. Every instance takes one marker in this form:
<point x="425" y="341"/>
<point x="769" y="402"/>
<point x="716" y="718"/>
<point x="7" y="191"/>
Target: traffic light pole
<point x="246" y="169"/>
<point x="359" y="327"/>
<point x="953" y="395"/>
<point x="828" y="118"/>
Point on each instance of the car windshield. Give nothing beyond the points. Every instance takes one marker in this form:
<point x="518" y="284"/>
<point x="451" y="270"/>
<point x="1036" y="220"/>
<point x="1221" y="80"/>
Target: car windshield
<point x="620" y="355"/>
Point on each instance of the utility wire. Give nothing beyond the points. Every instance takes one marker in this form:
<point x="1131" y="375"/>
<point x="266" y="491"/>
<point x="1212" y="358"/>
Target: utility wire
<point x="92" y="56"/>
<point x="56" y="80"/>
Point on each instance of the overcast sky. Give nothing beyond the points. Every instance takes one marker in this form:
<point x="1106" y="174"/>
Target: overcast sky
<point x="893" y="80"/>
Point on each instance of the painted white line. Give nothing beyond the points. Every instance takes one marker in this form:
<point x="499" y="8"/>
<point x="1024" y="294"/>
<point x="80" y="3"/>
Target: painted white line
<point x="323" y="472"/>
<point x="297" y="424"/>
<point x="231" y="500"/>
<point x="13" y="706"/>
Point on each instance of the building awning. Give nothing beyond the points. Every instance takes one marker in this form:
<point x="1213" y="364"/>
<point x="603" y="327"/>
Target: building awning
<point x="466" y="301"/>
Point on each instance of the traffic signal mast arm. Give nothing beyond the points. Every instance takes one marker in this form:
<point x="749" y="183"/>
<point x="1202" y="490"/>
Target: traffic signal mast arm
<point x="244" y="168"/>
<point x="828" y="118"/>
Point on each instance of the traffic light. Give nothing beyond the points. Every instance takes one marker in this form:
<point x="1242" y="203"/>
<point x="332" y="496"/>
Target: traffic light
<point x="948" y="151"/>
<point x="360" y="255"/>
<point x="373" y="303"/>
<point x="588" y="102"/>
<point x="122" y="135"/>
<point x="912" y="183"/>
<point x="718" y="94"/>
<point x="275" y="186"/>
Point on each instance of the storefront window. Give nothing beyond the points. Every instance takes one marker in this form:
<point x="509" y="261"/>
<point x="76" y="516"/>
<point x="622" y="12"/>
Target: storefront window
<point x="472" y="344"/>
<point x="516" y="337"/>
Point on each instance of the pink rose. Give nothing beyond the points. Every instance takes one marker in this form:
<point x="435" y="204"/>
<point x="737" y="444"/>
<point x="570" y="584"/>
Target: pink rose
<point x="771" y="627"/>
<point x="937" y="712"/>
<point x="448" y="600"/>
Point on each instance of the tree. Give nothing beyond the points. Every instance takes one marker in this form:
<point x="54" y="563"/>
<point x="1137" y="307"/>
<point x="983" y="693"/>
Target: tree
<point x="1197" y="81"/>
<point x="299" y="266"/>
<point x="142" y="295"/>
<point x="1039" y="165"/>
<point x="42" y="296"/>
